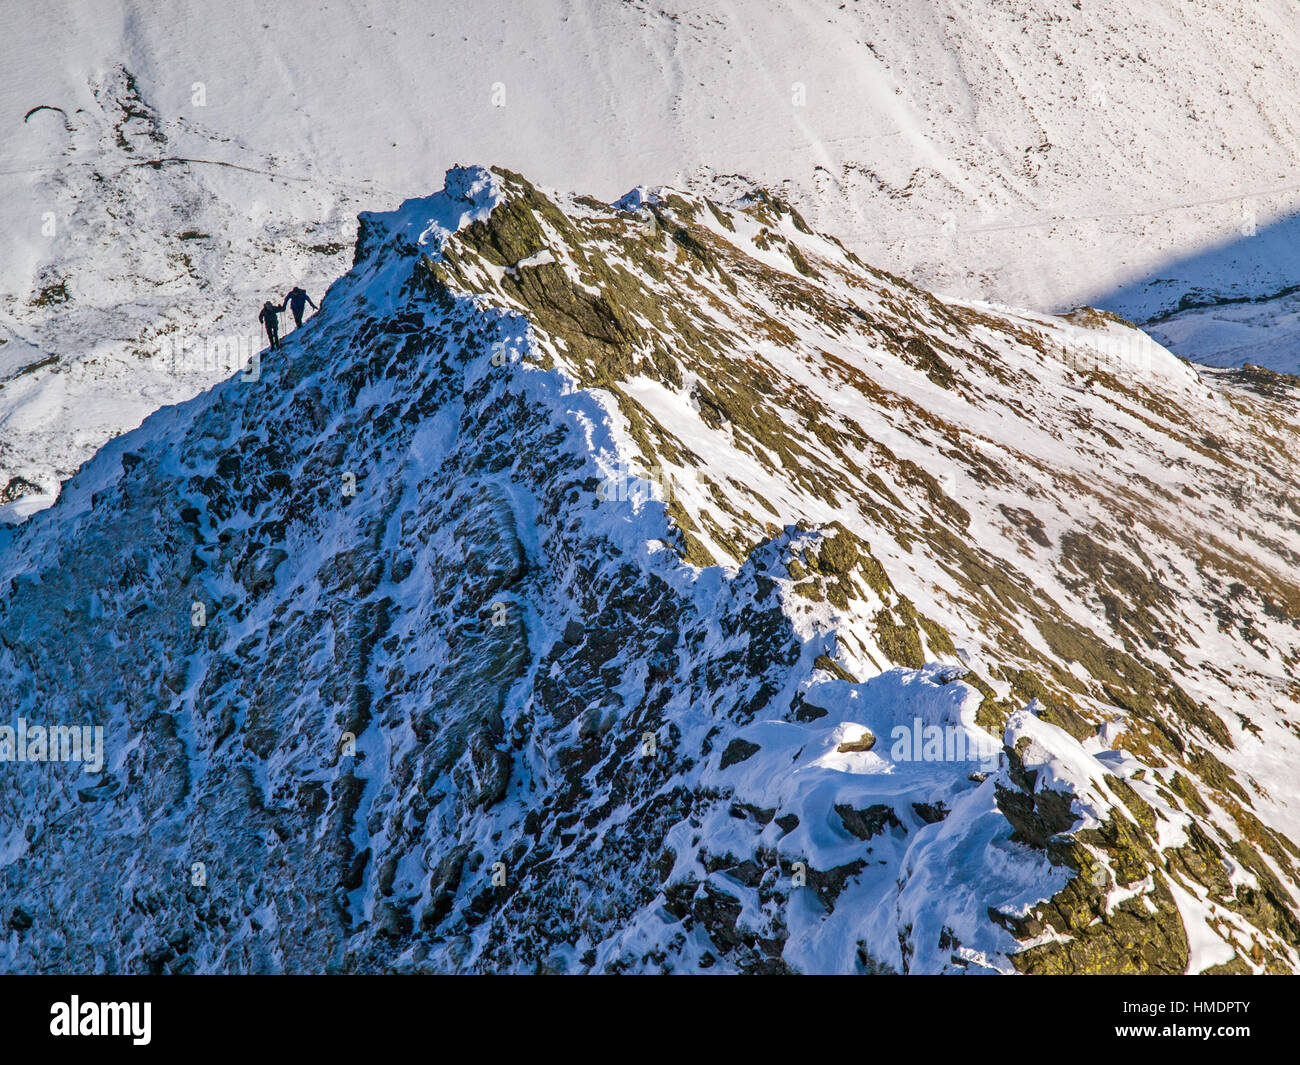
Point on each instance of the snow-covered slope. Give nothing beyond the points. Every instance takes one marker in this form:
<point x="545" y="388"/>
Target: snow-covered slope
<point x="167" y="167"/>
<point x="660" y="587"/>
<point x="1237" y="332"/>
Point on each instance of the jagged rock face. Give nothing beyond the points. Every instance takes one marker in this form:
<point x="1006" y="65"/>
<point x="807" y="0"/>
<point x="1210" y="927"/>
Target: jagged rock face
<point x="658" y="587"/>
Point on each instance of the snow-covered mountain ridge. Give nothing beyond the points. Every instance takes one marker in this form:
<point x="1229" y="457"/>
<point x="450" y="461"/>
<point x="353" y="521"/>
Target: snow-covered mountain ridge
<point x="170" y="166"/>
<point x="659" y="586"/>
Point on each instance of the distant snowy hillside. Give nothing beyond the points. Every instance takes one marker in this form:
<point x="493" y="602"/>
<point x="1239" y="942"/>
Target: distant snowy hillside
<point x="661" y="588"/>
<point x="167" y="167"/>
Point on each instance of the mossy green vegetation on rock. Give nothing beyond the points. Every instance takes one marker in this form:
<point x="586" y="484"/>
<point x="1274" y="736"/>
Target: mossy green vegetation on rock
<point x="766" y="369"/>
<point x="661" y="521"/>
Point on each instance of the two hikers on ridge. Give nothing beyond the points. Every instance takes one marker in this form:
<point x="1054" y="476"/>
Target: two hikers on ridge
<point x="295" y="301"/>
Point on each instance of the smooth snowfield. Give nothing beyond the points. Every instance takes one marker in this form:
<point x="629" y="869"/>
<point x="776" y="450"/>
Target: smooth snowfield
<point x="1073" y="145"/>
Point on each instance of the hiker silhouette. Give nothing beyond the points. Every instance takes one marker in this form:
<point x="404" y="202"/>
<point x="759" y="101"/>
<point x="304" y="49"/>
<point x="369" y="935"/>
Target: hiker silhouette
<point x="267" y="316"/>
<point x="294" y="301"/>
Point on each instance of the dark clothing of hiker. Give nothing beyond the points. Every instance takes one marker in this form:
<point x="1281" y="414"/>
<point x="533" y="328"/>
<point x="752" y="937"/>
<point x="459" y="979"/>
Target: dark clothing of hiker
<point x="267" y="316"/>
<point x="294" y="301"/>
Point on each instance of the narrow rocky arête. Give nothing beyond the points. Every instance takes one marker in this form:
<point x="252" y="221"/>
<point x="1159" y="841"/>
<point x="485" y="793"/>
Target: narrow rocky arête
<point x="642" y="587"/>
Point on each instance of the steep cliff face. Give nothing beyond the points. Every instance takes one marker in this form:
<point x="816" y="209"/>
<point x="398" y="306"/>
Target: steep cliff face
<point x="658" y="587"/>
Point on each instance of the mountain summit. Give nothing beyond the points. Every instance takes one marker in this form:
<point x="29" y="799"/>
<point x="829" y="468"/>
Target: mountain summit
<point x="658" y="586"/>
